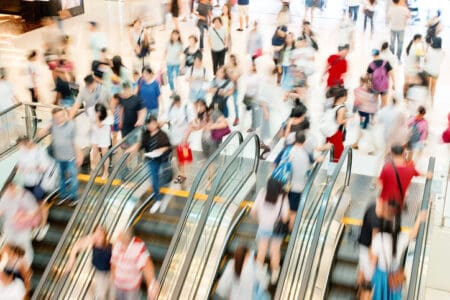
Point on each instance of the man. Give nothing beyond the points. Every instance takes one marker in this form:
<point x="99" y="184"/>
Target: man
<point x="243" y="13"/>
<point x="91" y="94"/>
<point x="379" y="72"/>
<point x="337" y="67"/>
<point x="132" y="110"/>
<point x="67" y="154"/>
<point x="130" y="259"/>
<point x="353" y="8"/>
<point x="97" y="40"/>
<point x="393" y="189"/>
<point x="393" y="122"/>
<point x="398" y="15"/>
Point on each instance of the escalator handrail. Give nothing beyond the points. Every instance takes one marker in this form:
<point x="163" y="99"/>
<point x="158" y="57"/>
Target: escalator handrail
<point x="11" y="108"/>
<point x="296" y="227"/>
<point x="346" y="155"/>
<point x="190" y="199"/>
<point x="83" y="198"/>
<point x="144" y="205"/>
<point x="206" y="210"/>
<point x="417" y="264"/>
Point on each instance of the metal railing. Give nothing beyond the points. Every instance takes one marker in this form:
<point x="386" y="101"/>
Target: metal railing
<point x="79" y="216"/>
<point x="415" y="277"/>
<point x="199" y="178"/>
<point x="346" y="156"/>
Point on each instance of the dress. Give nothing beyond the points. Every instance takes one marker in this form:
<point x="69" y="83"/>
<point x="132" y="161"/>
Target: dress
<point x="101" y="136"/>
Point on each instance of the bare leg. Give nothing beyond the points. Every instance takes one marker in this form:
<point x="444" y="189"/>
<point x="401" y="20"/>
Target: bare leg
<point x="94" y="157"/>
<point x="44" y="213"/>
<point x="263" y="245"/>
<point x="106" y="166"/>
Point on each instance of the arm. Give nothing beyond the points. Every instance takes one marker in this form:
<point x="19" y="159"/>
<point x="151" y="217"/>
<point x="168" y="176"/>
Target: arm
<point x="288" y="129"/>
<point x="133" y="148"/>
<point x="221" y="123"/>
<point x="341" y="116"/>
<point x="141" y="117"/>
<point x="76" y="106"/>
<point x="149" y="275"/>
<point x="420" y="219"/>
<point x="81" y="245"/>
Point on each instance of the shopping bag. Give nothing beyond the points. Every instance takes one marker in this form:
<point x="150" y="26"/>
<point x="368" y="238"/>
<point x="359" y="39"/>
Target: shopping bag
<point x="184" y="154"/>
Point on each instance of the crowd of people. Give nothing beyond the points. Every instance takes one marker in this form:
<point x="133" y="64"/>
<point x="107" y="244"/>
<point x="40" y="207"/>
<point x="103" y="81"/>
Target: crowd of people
<point x="185" y="97"/>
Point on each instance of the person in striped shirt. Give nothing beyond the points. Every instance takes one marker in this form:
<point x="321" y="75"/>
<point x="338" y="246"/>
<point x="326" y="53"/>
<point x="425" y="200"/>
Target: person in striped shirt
<point x="130" y="260"/>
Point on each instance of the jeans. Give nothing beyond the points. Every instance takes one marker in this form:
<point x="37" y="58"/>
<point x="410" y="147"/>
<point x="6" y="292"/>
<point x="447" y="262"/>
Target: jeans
<point x="171" y="69"/>
<point x="353" y="10"/>
<point x="235" y="102"/>
<point x="67" y="102"/>
<point x="68" y="167"/>
<point x="202" y="29"/>
<point x="153" y="167"/>
<point x="397" y="35"/>
<point x="218" y="59"/>
<point x="368" y="15"/>
<point x="152" y="112"/>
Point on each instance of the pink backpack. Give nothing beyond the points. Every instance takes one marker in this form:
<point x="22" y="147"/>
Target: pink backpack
<point x="380" y="77"/>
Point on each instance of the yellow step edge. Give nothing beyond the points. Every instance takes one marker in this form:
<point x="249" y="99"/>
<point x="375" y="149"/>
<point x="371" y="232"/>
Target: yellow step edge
<point x="358" y="222"/>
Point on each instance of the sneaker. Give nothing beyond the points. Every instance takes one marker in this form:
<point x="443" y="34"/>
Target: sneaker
<point x="164" y="204"/>
<point x="62" y="201"/>
<point x="236" y="122"/>
<point x="73" y="203"/>
<point x="154" y="209"/>
<point x="42" y="232"/>
<point x="274" y="276"/>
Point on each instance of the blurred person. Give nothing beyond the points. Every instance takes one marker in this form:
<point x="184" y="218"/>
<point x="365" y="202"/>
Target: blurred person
<point x="119" y="74"/>
<point x="295" y="123"/>
<point x="132" y="110"/>
<point x="92" y="93"/>
<point x="190" y="53"/>
<point x="221" y="89"/>
<point x="337" y="67"/>
<point x="353" y="9"/>
<point x="251" y="97"/>
<point x="393" y="121"/>
<point x="172" y="57"/>
<point x="310" y="5"/>
<point x="271" y="205"/>
<point x="203" y="13"/>
<point x="340" y="112"/>
<point x="369" y="12"/>
<point x="243" y="13"/>
<point x="434" y="27"/>
<point x="254" y="42"/>
<point x="380" y="75"/>
<point x="218" y="41"/>
<point x="141" y="41"/>
<point x="242" y="276"/>
<point x="116" y="108"/>
<point x="418" y="127"/>
<point x="397" y="16"/>
<point x="415" y="52"/>
<point x="157" y="147"/>
<point x="346" y="31"/>
<point x="130" y="261"/>
<point x="64" y="86"/>
<point x="197" y="77"/>
<point x="308" y="35"/>
<point x="97" y="40"/>
<point x="227" y="21"/>
<point x="11" y="288"/>
<point x="434" y="58"/>
<point x="149" y="91"/>
<point x="20" y="213"/>
<point x="278" y="41"/>
<point x="33" y="75"/>
<point x="386" y="54"/>
<point x="286" y="62"/>
<point x="101" y="248"/>
<point x="12" y="262"/>
<point x="417" y="93"/>
<point x="175" y="6"/>
<point x="7" y="95"/>
<point x="234" y="73"/>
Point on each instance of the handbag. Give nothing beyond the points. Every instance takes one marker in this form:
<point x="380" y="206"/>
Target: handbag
<point x="399" y="183"/>
<point x="281" y="228"/>
<point x="218" y="134"/>
<point x="184" y="154"/>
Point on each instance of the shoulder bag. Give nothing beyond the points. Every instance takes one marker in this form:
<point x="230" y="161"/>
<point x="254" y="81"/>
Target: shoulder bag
<point x="281" y="228"/>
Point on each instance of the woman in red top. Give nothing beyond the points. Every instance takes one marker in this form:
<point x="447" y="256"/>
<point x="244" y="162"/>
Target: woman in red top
<point x="337" y="67"/>
<point x="337" y="139"/>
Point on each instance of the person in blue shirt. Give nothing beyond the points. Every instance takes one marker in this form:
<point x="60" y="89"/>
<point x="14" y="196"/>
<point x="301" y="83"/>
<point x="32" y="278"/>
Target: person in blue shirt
<point x="149" y="91"/>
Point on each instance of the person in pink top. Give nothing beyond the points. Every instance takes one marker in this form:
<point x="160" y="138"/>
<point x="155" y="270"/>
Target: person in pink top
<point x="446" y="133"/>
<point x="418" y="127"/>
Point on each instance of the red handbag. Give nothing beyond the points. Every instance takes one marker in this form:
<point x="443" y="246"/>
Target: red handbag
<point x="184" y="154"/>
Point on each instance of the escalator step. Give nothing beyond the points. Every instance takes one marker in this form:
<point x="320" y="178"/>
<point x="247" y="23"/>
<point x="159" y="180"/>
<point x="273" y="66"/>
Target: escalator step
<point x="344" y="274"/>
<point x="41" y="260"/>
<point x="340" y="293"/>
<point x="348" y="251"/>
<point x="151" y="227"/>
<point x="157" y="252"/>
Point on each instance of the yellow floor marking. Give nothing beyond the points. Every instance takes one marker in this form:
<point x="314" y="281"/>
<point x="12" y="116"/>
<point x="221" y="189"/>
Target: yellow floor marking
<point x="358" y="222"/>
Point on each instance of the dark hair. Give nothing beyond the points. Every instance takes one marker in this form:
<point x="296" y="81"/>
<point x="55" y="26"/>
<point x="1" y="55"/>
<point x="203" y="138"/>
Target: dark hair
<point x="147" y="69"/>
<point x="234" y="59"/>
<point x="339" y="93"/>
<point x="194" y="37"/>
<point x="116" y="64"/>
<point x="300" y="137"/>
<point x="32" y="54"/>
<point x="179" y="37"/>
<point x="23" y="139"/>
<point x="239" y="257"/>
<point x="151" y="118"/>
<point x="417" y="36"/>
<point x="89" y="79"/>
<point x="384" y="46"/>
<point x="273" y="190"/>
<point x="2" y="72"/>
<point x="293" y="42"/>
<point x="423" y="78"/>
<point x="396" y="1"/>
<point x="372" y="2"/>
<point x="57" y="110"/>
<point x="397" y="149"/>
<point x="100" y="108"/>
<point x="93" y="23"/>
<point x="421" y="110"/>
<point x="217" y="19"/>
<point x="175" y="98"/>
<point x="306" y="124"/>
<point x="298" y="111"/>
<point x="126" y="85"/>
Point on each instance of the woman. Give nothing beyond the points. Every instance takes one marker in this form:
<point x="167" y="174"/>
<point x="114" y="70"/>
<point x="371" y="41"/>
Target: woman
<point x="218" y="40"/>
<point x="101" y="257"/>
<point x="337" y="139"/>
<point x="227" y="21"/>
<point x="221" y="88"/>
<point x="242" y="276"/>
<point x="190" y="53"/>
<point x="386" y="54"/>
<point x="173" y="53"/>
<point x="100" y="135"/>
<point x="369" y="12"/>
<point x="309" y="36"/>
<point x="119" y="75"/>
<point x="33" y="75"/>
<point x="271" y="205"/>
<point x="415" y="51"/>
<point x="140" y="41"/>
<point x="251" y="97"/>
<point x="310" y="5"/>
<point x="65" y="86"/>
<point x="286" y="62"/>
<point x="149" y="91"/>
<point x="254" y="42"/>
<point x="175" y="6"/>
<point x="12" y="263"/>
<point x="157" y="147"/>
<point x="418" y="127"/>
<point x="234" y="73"/>
<point x="433" y="61"/>
<point x="197" y="78"/>
<point x="388" y="250"/>
<point x="295" y="123"/>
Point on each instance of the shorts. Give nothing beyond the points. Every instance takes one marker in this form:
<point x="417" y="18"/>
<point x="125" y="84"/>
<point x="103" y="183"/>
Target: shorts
<point x="267" y="234"/>
<point x="418" y="146"/>
<point x="364" y="264"/>
<point x="243" y="10"/>
<point x="365" y="119"/>
<point x="294" y="200"/>
<point x="378" y="93"/>
<point x="37" y="191"/>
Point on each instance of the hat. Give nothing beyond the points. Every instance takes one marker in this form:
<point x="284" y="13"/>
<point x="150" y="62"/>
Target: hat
<point x="375" y="52"/>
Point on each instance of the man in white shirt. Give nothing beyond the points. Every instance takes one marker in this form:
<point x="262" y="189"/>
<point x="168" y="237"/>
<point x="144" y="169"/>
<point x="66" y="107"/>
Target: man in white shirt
<point x="398" y="15"/>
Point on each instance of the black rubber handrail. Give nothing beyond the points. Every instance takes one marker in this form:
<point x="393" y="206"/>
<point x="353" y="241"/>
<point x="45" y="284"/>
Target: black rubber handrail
<point x="346" y="156"/>
<point x="81" y="204"/>
<point x="207" y="208"/>
<point x="190" y="200"/>
<point x="11" y="108"/>
<point x="419" y="251"/>
<point x="296" y="227"/>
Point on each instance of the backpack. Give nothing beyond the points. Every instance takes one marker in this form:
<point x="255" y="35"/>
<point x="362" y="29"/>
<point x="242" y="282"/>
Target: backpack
<point x="328" y="125"/>
<point x="220" y="100"/>
<point x="380" y="77"/>
<point x="283" y="171"/>
<point x="415" y="133"/>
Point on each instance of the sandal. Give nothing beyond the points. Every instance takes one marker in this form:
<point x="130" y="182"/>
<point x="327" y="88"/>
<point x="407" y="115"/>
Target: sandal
<point x="180" y="179"/>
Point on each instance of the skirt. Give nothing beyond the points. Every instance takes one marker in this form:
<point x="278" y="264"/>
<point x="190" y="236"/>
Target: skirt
<point x="381" y="289"/>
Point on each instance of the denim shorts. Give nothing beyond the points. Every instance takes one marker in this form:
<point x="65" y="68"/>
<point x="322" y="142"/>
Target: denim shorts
<point x="267" y="234"/>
